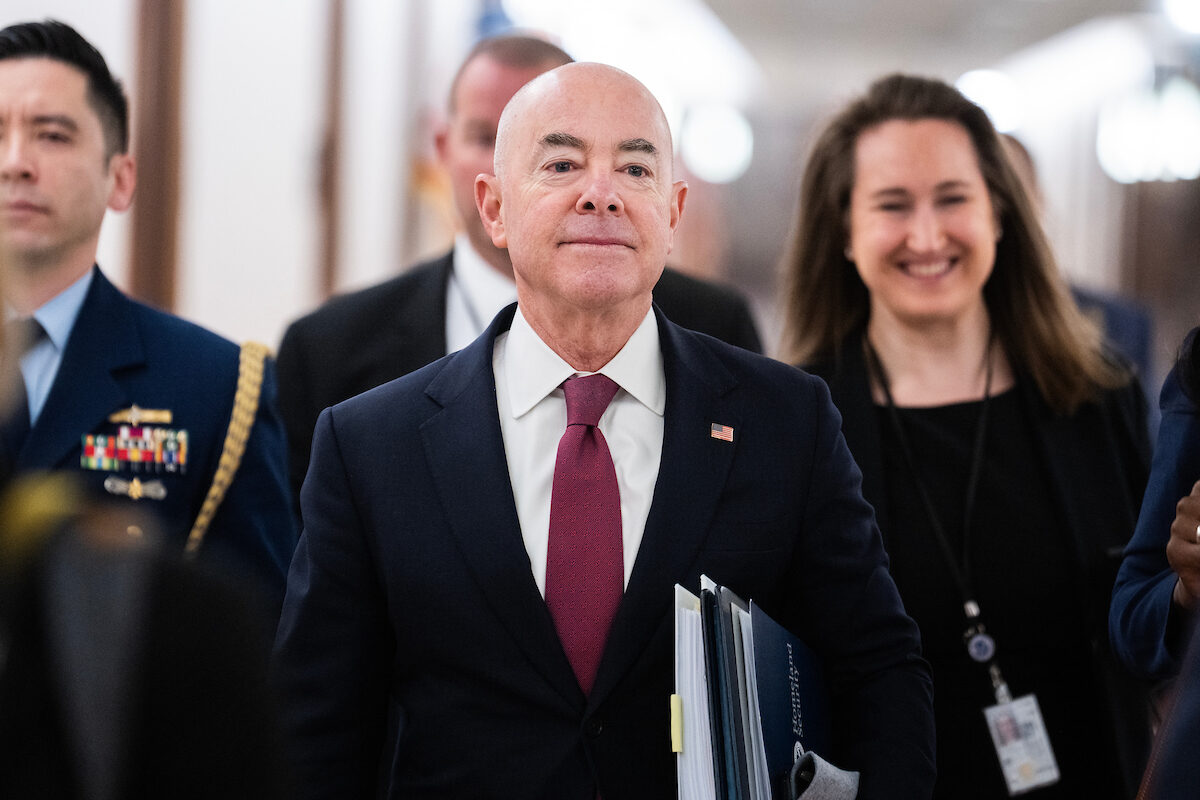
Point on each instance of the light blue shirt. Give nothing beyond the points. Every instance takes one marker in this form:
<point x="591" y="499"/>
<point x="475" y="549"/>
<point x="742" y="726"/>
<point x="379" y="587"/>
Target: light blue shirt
<point x="40" y="364"/>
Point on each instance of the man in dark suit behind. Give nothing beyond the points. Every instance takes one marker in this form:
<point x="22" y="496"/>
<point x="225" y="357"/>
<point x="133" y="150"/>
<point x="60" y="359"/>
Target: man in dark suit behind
<point x="136" y="400"/>
<point x="361" y="340"/>
<point x="439" y="637"/>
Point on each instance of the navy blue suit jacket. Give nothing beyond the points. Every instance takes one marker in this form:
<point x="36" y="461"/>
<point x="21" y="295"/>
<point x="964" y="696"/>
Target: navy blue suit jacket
<point x="1145" y="631"/>
<point x="417" y="658"/>
<point x="364" y="339"/>
<point x="122" y="353"/>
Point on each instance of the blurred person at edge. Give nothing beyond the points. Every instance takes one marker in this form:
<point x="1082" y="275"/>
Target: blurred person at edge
<point x="1154" y="601"/>
<point x="124" y="670"/>
<point x="360" y="340"/>
<point x="1003" y="447"/>
<point x="1158" y="587"/>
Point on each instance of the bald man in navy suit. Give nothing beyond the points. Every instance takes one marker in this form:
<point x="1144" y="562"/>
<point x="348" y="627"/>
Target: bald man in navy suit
<point x="360" y="340"/>
<point x="426" y="648"/>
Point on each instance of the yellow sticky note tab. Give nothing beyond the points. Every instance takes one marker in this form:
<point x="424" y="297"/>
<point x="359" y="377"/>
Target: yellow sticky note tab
<point x="676" y="724"/>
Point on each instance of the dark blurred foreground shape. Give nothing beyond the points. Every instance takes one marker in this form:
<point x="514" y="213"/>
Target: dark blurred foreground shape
<point x="124" y="672"/>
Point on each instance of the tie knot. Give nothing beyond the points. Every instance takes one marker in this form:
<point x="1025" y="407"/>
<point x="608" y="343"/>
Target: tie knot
<point x="23" y="334"/>
<point x="587" y="397"/>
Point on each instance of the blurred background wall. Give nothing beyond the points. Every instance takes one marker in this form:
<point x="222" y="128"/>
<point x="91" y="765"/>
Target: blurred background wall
<point x="302" y="161"/>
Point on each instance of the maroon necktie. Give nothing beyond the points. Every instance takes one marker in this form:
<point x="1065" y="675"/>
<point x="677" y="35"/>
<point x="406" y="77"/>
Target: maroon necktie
<point x="585" y="571"/>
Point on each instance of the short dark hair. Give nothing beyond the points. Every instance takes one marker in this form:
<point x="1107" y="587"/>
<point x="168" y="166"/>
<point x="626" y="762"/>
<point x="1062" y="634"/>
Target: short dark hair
<point x="60" y="42"/>
<point x="512" y="50"/>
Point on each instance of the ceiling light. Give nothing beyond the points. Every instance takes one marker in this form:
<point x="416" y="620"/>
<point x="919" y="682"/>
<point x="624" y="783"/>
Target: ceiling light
<point x="716" y="143"/>
<point x="1183" y="14"/>
<point x="997" y="94"/>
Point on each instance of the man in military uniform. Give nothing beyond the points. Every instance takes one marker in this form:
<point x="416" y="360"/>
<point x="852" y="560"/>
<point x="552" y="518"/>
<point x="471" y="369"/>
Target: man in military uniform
<point x="138" y="401"/>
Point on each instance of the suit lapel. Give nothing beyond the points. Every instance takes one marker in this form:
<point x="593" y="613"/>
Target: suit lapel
<point x="466" y="432"/>
<point x="465" y="449"/>
<point x="104" y="339"/>
<point x="691" y="476"/>
<point x="407" y="330"/>
<point x="418" y="326"/>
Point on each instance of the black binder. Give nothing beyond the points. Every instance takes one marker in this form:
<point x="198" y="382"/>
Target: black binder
<point x="767" y="702"/>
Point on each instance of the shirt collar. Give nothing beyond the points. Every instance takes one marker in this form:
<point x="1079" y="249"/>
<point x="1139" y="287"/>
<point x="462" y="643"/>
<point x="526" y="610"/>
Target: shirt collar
<point x="57" y="316"/>
<point x="534" y="370"/>
<point x="484" y="288"/>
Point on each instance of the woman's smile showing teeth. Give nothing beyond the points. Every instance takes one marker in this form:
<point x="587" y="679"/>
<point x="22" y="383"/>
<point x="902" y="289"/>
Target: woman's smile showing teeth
<point x="927" y="269"/>
<point x="921" y="230"/>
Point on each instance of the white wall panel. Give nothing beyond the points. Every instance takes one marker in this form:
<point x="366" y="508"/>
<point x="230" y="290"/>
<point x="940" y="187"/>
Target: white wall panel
<point x="252" y="106"/>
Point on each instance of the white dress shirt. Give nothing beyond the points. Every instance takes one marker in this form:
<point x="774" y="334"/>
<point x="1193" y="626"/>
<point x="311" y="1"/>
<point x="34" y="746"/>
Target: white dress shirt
<point x="40" y="364"/>
<point x="475" y="294"/>
<point x="533" y="417"/>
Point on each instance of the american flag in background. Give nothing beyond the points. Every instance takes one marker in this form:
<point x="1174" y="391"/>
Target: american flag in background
<point x="723" y="432"/>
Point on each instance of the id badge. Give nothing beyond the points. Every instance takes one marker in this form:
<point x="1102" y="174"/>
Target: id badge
<point x="1022" y="744"/>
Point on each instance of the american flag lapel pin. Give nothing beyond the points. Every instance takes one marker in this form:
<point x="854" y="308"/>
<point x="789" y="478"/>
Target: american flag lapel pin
<point x="722" y="432"/>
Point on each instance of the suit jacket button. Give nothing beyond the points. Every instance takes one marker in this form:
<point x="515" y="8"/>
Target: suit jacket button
<point x="594" y="727"/>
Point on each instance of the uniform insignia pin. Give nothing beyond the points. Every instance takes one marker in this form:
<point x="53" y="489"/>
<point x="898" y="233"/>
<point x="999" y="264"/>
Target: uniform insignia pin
<point x="136" y="416"/>
<point x="135" y="489"/>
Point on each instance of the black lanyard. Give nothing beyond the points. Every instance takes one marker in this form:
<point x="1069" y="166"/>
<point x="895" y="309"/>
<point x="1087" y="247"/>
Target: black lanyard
<point x="981" y="647"/>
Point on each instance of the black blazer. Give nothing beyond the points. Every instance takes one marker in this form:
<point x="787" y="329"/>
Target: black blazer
<point x="361" y="340"/>
<point x="417" y="658"/>
<point x="1097" y="461"/>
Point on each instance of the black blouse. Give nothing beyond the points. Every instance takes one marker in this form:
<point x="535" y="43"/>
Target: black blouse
<point x="1024" y="573"/>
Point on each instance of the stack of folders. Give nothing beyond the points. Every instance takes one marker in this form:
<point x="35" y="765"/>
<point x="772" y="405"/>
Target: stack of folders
<point x="749" y="702"/>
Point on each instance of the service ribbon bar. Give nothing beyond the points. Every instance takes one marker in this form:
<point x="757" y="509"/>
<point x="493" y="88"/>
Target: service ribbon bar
<point x="136" y="448"/>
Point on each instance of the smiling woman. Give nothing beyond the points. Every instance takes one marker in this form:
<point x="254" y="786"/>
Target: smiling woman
<point x="1028" y="307"/>
<point x="922" y="228"/>
<point x="1003" y="449"/>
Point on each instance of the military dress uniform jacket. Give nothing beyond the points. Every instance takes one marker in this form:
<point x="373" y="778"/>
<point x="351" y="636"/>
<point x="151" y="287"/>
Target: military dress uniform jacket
<point x="417" y="658"/>
<point x="122" y="353"/>
<point x="364" y="339"/>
